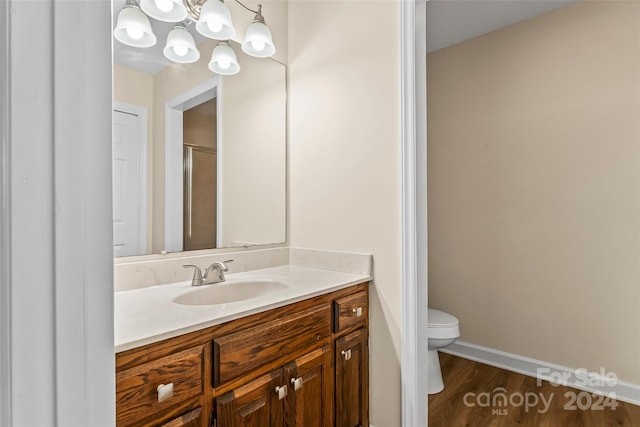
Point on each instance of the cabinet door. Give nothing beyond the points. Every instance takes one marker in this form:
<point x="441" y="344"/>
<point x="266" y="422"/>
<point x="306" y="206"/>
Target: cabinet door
<point x="256" y="404"/>
<point x="310" y="400"/>
<point x="352" y="380"/>
<point x="190" y="419"/>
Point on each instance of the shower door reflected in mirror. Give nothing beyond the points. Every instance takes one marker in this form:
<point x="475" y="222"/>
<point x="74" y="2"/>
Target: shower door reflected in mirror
<point x="200" y="176"/>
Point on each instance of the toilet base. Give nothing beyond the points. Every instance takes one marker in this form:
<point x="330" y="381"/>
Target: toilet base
<point x="434" y="382"/>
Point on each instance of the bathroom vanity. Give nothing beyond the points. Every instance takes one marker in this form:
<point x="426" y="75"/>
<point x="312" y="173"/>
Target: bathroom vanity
<point x="297" y="356"/>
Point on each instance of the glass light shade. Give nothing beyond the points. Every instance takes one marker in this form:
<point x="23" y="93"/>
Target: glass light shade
<point x="165" y="10"/>
<point x="181" y="47"/>
<point x="215" y="21"/>
<point x="133" y="28"/>
<point x="223" y="60"/>
<point x="258" y="41"/>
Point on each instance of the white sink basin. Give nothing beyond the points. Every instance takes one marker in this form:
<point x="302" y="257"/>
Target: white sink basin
<point x="229" y="291"/>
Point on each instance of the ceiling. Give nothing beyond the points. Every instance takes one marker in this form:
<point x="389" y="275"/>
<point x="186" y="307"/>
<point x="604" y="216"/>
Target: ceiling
<point x="453" y="21"/>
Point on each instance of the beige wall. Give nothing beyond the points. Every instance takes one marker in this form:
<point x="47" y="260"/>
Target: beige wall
<point x="136" y="88"/>
<point x="253" y="104"/>
<point x="534" y="185"/>
<point x="345" y="159"/>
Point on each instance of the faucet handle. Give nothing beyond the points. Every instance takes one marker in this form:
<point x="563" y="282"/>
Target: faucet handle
<point x="197" y="275"/>
<point x="224" y="263"/>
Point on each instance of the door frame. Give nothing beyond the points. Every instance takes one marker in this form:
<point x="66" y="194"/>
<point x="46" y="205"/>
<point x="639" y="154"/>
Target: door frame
<point x="413" y="110"/>
<point x="173" y="165"/>
<point x="5" y="220"/>
<point x="57" y="208"/>
<point x="143" y="145"/>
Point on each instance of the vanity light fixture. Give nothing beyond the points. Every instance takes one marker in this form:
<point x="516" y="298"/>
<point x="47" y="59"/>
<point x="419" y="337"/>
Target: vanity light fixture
<point x="212" y="19"/>
<point x="181" y="47"/>
<point x="257" y="40"/>
<point x="134" y="28"/>
<point x="164" y="10"/>
<point x="223" y="60"/>
<point x="215" y="21"/>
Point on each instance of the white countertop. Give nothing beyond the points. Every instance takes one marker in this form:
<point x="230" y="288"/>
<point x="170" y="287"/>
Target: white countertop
<point x="147" y="315"/>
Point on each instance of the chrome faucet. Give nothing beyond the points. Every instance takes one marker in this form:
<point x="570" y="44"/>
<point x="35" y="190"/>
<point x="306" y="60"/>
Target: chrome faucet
<point x="219" y="268"/>
<point x="213" y="274"/>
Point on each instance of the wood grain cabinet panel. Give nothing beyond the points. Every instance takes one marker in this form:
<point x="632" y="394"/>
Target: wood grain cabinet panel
<point x="310" y="380"/>
<point x="190" y="419"/>
<point x="298" y="395"/>
<point x="256" y="404"/>
<point x="352" y="380"/>
<point x="241" y="352"/>
<point x="351" y="311"/>
<point x="137" y="388"/>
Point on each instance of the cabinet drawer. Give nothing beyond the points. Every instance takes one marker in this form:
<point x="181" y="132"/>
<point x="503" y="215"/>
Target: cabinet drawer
<point x="241" y="352"/>
<point x="137" y="394"/>
<point x="350" y="311"/>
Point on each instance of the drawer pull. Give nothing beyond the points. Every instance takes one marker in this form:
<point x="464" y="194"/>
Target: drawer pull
<point x="297" y="383"/>
<point x="357" y="311"/>
<point x="346" y="354"/>
<point x="165" y="392"/>
<point x="282" y="392"/>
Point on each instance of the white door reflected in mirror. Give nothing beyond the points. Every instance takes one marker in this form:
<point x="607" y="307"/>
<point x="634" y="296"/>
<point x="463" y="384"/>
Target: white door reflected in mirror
<point x="129" y="216"/>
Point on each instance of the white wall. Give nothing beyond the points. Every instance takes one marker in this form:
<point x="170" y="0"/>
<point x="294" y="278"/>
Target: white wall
<point x="345" y="167"/>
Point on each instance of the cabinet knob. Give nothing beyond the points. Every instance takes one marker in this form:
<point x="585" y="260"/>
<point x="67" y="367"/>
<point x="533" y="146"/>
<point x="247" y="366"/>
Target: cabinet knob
<point x="281" y="391"/>
<point x="346" y="354"/>
<point x="357" y="311"/>
<point x="165" y="391"/>
<point x="297" y="383"/>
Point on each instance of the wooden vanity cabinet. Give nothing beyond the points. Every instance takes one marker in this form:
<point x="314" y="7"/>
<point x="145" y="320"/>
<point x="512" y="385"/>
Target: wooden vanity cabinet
<point x="352" y="382"/>
<point x="192" y="418"/>
<point x="160" y="386"/>
<point x="351" y="314"/>
<point x="302" y="365"/>
<point x="310" y="400"/>
<point x="299" y="394"/>
<point x="256" y="403"/>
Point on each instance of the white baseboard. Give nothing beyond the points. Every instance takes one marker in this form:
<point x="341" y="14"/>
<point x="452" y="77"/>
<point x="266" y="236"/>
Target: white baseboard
<point x="595" y="383"/>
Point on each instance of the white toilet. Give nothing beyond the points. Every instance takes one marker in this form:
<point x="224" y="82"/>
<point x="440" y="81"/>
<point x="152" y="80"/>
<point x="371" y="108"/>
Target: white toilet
<point x="443" y="330"/>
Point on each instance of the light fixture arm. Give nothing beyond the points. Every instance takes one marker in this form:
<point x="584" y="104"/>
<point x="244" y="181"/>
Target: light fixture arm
<point x="194" y="7"/>
<point x="132" y="3"/>
<point x="257" y="12"/>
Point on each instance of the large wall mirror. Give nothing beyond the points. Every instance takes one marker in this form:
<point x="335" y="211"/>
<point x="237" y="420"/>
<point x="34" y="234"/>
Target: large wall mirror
<point x="199" y="158"/>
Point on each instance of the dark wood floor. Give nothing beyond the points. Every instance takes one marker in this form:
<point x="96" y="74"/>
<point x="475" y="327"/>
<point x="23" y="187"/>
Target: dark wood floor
<point x="469" y="399"/>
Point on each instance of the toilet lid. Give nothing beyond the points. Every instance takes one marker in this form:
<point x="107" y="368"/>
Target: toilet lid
<point x="440" y="319"/>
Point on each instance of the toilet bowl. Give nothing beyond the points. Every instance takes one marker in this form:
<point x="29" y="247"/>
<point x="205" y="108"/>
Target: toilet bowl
<point x="443" y="330"/>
